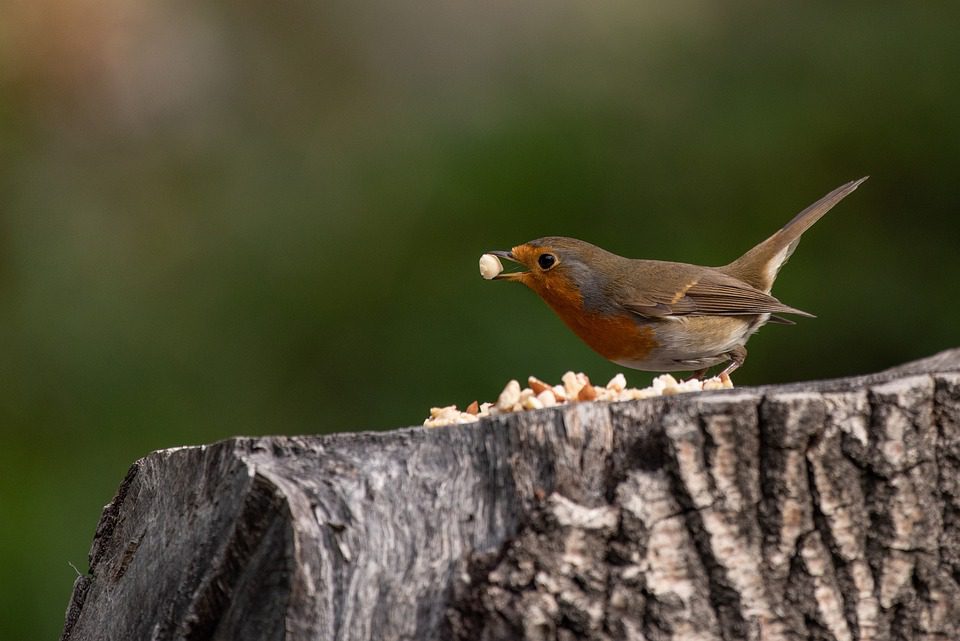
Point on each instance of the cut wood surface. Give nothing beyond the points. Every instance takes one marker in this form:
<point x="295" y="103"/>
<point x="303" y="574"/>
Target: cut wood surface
<point x="825" y="510"/>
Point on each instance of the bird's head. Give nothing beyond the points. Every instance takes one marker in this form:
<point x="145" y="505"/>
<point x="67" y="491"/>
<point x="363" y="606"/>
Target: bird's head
<point x="559" y="269"/>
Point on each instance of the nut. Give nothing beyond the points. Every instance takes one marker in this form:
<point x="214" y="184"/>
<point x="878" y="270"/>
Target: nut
<point x="509" y="397"/>
<point x="532" y="403"/>
<point x="618" y="383"/>
<point x="537" y="385"/>
<point x="662" y="382"/>
<point x="450" y="415"/>
<point x="573" y="382"/>
<point x="546" y="398"/>
<point x="490" y="266"/>
<point x="587" y="393"/>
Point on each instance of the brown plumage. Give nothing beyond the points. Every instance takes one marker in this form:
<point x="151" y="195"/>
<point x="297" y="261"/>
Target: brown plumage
<point x="664" y="316"/>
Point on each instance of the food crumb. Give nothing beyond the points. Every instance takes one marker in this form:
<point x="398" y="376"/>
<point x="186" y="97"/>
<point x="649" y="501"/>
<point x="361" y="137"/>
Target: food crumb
<point x="490" y="266"/>
<point x="576" y="388"/>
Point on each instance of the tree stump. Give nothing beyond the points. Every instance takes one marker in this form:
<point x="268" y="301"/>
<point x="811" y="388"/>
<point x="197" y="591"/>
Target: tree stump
<point x="825" y="510"/>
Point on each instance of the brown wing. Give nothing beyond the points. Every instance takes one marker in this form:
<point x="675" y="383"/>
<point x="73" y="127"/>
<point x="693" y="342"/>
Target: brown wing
<point x="704" y="292"/>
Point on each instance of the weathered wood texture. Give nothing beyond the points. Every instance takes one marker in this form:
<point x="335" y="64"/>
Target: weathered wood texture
<point x="827" y="510"/>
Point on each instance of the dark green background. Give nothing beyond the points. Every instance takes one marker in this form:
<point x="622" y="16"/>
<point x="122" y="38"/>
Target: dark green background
<point x="259" y="218"/>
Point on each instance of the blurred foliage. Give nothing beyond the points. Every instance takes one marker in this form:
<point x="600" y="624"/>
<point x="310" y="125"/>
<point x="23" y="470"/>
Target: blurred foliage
<point x="256" y="218"/>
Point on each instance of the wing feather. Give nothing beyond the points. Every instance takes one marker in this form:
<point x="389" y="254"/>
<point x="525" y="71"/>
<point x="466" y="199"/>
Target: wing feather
<point x="710" y="294"/>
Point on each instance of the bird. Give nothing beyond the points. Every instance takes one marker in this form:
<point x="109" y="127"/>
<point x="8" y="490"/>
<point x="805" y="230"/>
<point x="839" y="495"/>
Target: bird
<point x="661" y="316"/>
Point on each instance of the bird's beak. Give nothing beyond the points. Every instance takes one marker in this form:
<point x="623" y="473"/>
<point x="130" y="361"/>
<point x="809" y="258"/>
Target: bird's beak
<point x="507" y="275"/>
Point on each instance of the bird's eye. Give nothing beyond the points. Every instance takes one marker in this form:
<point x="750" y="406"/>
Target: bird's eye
<point x="546" y="261"/>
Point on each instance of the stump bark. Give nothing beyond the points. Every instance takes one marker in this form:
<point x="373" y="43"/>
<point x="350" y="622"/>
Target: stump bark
<point x="826" y="510"/>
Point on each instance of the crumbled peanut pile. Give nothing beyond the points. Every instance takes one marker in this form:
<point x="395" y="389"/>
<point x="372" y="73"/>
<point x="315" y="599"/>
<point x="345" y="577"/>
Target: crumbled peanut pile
<point x="575" y="388"/>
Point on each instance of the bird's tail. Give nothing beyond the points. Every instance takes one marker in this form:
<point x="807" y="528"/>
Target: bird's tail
<point x="760" y="265"/>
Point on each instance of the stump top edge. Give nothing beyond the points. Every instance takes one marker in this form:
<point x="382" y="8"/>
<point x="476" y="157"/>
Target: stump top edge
<point x="947" y="361"/>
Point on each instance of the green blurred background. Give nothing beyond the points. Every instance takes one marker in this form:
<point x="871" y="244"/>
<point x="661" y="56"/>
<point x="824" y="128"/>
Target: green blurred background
<point x="265" y="218"/>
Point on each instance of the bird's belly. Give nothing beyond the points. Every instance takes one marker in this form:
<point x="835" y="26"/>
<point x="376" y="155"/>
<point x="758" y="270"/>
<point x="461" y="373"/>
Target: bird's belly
<point x="695" y="342"/>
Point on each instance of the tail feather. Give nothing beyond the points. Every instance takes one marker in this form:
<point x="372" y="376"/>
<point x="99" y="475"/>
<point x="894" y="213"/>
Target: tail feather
<point x="760" y="265"/>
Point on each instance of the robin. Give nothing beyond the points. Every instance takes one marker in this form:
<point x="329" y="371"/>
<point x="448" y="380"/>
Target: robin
<point x="662" y="316"/>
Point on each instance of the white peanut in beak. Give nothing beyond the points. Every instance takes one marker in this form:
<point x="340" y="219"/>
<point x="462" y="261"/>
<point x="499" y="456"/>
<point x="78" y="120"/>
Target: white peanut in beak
<point x="490" y="266"/>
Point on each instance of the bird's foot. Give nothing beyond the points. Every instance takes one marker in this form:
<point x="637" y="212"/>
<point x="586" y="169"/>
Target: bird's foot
<point x="737" y="356"/>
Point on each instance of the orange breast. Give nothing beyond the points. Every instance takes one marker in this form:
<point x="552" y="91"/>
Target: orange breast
<point x="616" y="337"/>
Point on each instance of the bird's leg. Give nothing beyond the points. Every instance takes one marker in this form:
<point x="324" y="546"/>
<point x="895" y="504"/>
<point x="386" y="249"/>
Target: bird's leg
<point x="737" y="356"/>
<point x="699" y="374"/>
